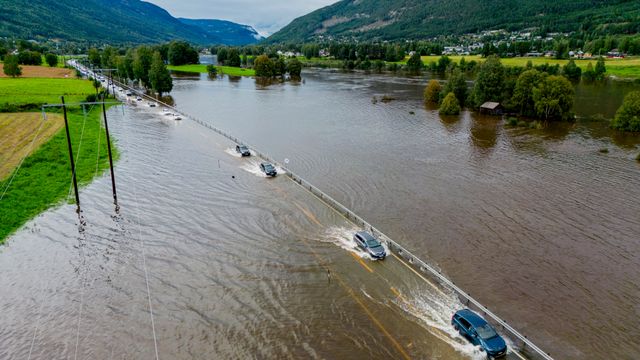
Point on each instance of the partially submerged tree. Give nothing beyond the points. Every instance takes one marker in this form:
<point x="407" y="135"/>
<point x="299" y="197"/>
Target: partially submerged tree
<point x="553" y="98"/>
<point x="432" y="91"/>
<point x="159" y="76"/>
<point x="450" y="105"/>
<point x="628" y="115"/>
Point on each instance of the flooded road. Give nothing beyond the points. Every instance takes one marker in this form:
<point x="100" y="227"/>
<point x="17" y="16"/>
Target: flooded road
<point x="536" y="224"/>
<point x="207" y="259"/>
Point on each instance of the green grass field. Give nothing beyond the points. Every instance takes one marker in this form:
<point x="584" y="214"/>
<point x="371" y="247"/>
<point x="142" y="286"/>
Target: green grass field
<point x="228" y="70"/>
<point x="38" y="91"/>
<point x="43" y="179"/>
<point x="622" y="68"/>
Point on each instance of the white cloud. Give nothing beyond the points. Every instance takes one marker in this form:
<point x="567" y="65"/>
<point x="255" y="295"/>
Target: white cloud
<point x="265" y="16"/>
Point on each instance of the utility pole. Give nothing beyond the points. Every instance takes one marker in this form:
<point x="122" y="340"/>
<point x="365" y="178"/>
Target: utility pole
<point x="113" y="179"/>
<point x="73" y="164"/>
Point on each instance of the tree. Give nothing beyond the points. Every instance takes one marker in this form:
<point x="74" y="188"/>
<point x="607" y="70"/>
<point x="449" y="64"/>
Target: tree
<point x="142" y="64"/>
<point x="234" y="58"/>
<point x="96" y="84"/>
<point x="600" y="69"/>
<point x="263" y="66"/>
<point x="628" y="115"/>
<point x="571" y="71"/>
<point x="589" y="74"/>
<point x="94" y="57"/>
<point x="443" y="63"/>
<point x="457" y="85"/>
<point x="432" y="91"/>
<point x="181" y="53"/>
<point x="222" y="55"/>
<point x="414" y="64"/>
<point x="51" y="59"/>
<point x="450" y="105"/>
<point x="159" y="76"/>
<point x="294" y="67"/>
<point x="523" y="91"/>
<point x="489" y="85"/>
<point x="279" y="67"/>
<point x="553" y="98"/>
<point x="27" y="57"/>
<point x="212" y="70"/>
<point x="11" y="66"/>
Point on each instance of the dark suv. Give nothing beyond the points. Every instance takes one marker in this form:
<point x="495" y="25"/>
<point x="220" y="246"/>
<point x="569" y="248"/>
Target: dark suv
<point x="243" y="150"/>
<point x="476" y="329"/>
<point x="268" y="169"/>
<point x="370" y="244"/>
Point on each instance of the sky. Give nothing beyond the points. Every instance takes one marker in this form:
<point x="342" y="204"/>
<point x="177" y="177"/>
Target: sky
<point x="266" y="16"/>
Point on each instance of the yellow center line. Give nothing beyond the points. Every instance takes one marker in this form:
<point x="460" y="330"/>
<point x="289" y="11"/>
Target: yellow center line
<point x="355" y="297"/>
<point x="359" y="259"/>
<point x="419" y="275"/>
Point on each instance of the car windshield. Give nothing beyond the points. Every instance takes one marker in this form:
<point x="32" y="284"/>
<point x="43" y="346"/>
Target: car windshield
<point x="268" y="167"/>
<point x="372" y="243"/>
<point x="243" y="148"/>
<point x="486" y="332"/>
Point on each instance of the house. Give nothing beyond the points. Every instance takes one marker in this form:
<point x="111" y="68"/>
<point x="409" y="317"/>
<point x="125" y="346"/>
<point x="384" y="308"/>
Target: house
<point x="491" y="108"/>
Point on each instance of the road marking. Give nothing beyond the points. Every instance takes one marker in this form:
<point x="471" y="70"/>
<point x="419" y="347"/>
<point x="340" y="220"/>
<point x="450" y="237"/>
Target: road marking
<point x="359" y="259"/>
<point x="419" y="275"/>
<point x="308" y="213"/>
<point x="520" y="356"/>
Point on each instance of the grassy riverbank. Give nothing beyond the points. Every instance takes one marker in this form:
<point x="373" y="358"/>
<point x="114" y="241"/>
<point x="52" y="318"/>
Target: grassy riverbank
<point x="628" y="68"/>
<point x="43" y="179"/>
<point x="200" y="68"/>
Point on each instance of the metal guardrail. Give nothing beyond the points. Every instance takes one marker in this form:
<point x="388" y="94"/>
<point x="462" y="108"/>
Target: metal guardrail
<point x="525" y="345"/>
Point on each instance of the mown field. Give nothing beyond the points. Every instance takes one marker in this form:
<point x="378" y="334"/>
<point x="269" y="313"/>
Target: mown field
<point x="38" y="91"/>
<point x="29" y="71"/>
<point x="200" y="68"/>
<point x="17" y="138"/>
<point x="43" y="180"/>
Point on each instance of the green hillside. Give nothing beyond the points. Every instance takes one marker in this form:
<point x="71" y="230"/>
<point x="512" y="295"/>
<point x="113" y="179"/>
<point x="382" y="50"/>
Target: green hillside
<point x="421" y="19"/>
<point x="99" y="21"/>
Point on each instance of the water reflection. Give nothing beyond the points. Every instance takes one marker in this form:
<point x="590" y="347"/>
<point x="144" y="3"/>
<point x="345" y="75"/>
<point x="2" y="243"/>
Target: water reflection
<point x="484" y="132"/>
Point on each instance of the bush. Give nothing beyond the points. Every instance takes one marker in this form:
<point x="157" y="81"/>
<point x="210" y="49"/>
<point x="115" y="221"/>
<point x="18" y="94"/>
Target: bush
<point x="11" y="67"/>
<point x="432" y="91"/>
<point x="212" y="70"/>
<point x="628" y="115"/>
<point x="91" y="98"/>
<point x="51" y="59"/>
<point x="264" y="66"/>
<point x="512" y="121"/>
<point x="450" y="105"/>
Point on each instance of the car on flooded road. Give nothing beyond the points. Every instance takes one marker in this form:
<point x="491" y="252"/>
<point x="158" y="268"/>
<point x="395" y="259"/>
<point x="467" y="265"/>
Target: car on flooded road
<point x="479" y="332"/>
<point x="243" y="150"/>
<point x="370" y="244"/>
<point x="268" y="169"/>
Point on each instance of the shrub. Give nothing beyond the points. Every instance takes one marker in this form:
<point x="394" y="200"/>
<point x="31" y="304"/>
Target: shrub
<point x="450" y="105"/>
<point x="628" y="115"/>
<point x="512" y="121"/>
<point x="432" y="91"/>
<point x="212" y="70"/>
<point x="91" y="98"/>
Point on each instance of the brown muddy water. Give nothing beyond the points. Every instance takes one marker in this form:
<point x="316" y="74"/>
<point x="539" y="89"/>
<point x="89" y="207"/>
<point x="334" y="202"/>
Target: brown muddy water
<point x="537" y="224"/>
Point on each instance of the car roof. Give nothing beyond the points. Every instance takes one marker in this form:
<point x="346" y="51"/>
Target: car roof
<point x="365" y="235"/>
<point x="266" y="163"/>
<point x="473" y="318"/>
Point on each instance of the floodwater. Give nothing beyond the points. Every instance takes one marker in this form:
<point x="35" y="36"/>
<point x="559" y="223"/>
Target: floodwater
<point x="208" y="259"/>
<point x="539" y="225"/>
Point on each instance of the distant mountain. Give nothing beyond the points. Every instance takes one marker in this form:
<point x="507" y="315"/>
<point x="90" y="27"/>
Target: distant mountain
<point x="105" y="21"/>
<point x="421" y="19"/>
<point x="228" y="33"/>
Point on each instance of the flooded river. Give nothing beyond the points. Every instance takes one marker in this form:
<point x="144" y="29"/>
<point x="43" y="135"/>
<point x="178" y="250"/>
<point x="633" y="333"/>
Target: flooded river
<point x="537" y="224"/>
<point x="208" y="259"/>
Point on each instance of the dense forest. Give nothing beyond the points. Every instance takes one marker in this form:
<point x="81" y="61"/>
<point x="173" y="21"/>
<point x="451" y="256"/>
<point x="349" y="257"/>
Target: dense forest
<point x="410" y="19"/>
<point x="111" y="22"/>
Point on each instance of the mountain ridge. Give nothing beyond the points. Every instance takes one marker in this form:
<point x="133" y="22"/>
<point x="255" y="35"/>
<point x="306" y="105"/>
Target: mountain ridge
<point x="416" y="20"/>
<point x="99" y="21"/>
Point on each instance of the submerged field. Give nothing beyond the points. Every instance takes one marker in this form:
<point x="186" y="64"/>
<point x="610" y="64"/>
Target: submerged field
<point x="200" y="68"/>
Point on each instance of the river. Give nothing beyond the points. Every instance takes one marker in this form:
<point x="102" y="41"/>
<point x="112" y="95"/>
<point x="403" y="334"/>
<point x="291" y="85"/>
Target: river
<point x="537" y="224"/>
<point x="209" y="259"/>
